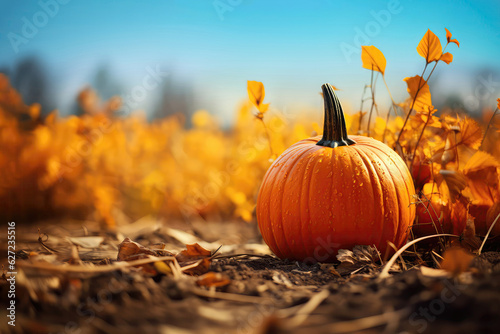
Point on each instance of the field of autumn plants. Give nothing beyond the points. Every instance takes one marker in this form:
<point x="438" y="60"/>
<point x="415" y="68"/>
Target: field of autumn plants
<point x="129" y="182"/>
<point x="103" y="165"/>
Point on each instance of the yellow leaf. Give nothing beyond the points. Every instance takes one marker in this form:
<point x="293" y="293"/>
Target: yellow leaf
<point x="256" y="92"/>
<point x="263" y="107"/>
<point x="471" y="133"/>
<point x="424" y="95"/>
<point x="372" y="58"/>
<point x="447" y="57"/>
<point x="422" y="118"/>
<point x="430" y="47"/>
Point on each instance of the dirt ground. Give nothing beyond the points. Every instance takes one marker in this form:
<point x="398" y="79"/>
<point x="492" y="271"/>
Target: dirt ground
<point x="68" y="281"/>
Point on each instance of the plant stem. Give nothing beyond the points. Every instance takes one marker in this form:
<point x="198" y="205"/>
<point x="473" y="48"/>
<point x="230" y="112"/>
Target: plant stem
<point x="268" y="137"/>
<point x="361" y="108"/>
<point x="420" y="137"/>
<point x="373" y="103"/>
<point x="386" y="122"/>
<point x="334" y="129"/>
<point x="389" y="91"/>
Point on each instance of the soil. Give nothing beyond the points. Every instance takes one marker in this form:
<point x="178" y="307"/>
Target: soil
<point x="264" y="295"/>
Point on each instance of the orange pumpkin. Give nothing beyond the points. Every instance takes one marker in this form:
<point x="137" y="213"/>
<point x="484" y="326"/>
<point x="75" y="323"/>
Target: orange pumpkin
<point x="334" y="192"/>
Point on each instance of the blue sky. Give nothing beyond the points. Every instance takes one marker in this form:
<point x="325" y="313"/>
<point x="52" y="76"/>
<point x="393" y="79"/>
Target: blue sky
<point x="291" y="46"/>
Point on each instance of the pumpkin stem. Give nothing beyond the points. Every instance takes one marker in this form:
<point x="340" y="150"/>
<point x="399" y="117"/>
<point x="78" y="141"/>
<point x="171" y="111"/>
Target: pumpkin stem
<point x="334" y="130"/>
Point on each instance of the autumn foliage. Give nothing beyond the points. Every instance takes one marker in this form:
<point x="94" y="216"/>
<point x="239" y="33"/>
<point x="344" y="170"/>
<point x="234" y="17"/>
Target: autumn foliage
<point x="113" y="168"/>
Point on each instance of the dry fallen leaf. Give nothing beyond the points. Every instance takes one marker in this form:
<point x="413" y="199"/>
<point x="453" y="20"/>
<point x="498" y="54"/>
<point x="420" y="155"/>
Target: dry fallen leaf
<point x="360" y="256"/>
<point x="456" y="260"/>
<point x="87" y="242"/>
<point x="212" y="279"/>
<point x="468" y="239"/>
<point x="193" y="252"/>
<point x="194" y="260"/>
<point x="129" y="249"/>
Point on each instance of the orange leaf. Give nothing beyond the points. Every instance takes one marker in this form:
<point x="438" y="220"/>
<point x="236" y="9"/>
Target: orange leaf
<point x="424" y="95"/>
<point x="480" y="161"/>
<point x="372" y="58"/>
<point x="424" y="118"/>
<point x="256" y="92"/>
<point x="455" y="181"/>
<point x="447" y="57"/>
<point x="430" y="47"/>
<point x="482" y="176"/>
<point x="448" y="35"/>
<point x="194" y="260"/>
<point x="129" y="249"/>
<point x="213" y="279"/>
<point x="456" y="260"/>
<point x="471" y="133"/>
<point x="199" y="267"/>
<point x="193" y="252"/>
<point x="498" y="103"/>
<point x="459" y="215"/>
<point x="456" y="42"/>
